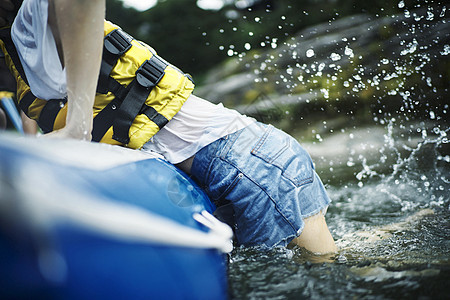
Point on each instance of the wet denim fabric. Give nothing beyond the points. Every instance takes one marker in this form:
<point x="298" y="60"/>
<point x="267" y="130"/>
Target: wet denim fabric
<point x="263" y="184"/>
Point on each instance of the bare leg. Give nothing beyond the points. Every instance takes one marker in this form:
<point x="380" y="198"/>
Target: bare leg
<point x="316" y="236"/>
<point x="29" y="126"/>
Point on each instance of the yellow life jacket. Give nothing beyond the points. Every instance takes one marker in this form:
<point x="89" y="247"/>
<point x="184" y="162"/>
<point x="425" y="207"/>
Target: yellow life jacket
<point x="137" y="93"/>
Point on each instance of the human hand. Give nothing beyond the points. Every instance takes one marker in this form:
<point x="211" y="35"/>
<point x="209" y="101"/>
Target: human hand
<point x="8" y="11"/>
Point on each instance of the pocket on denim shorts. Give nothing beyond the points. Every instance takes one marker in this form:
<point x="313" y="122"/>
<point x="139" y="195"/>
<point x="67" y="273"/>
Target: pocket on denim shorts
<point x="281" y="150"/>
<point x="226" y="186"/>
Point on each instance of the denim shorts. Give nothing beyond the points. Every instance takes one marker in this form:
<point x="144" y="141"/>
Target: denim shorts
<point x="263" y="184"/>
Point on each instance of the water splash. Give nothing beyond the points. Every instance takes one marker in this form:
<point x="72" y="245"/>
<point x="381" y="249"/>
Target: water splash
<point x="382" y="151"/>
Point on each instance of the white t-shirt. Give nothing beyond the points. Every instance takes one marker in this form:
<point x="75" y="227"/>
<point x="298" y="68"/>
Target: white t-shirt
<point x="196" y="125"/>
<point x="37" y="50"/>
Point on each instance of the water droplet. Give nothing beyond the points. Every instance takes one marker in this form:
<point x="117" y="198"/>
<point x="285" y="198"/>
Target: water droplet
<point x="310" y="53"/>
<point x="321" y="67"/>
<point x="348" y="51"/>
<point x="274" y="43"/>
<point x="401" y="4"/>
<point x="325" y="93"/>
<point x="446" y="50"/>
<point x="411" y="48"/>
<point x="443" y="12"/>
<point x="424" y="134"/>
<point x="335" y="57"/>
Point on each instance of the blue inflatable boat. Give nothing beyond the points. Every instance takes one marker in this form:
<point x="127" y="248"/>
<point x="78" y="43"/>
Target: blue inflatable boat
<point x="82" y="220"/>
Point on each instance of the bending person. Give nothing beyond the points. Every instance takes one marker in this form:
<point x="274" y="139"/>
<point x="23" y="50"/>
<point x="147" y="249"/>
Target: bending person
<point x="261" y="180"/>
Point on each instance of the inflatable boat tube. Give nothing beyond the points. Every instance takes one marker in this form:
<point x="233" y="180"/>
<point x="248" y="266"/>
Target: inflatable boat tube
<point x="83" y="220"/>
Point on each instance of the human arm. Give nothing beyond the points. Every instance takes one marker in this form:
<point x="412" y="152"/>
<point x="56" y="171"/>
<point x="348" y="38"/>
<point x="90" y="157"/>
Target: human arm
<point x="78" y="29"/>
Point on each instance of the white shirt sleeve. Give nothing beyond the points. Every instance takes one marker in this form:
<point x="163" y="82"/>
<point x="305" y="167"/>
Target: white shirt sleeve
<point x="37" y="50"/>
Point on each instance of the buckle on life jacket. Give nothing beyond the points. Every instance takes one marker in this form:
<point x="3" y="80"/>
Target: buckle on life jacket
<point x="117" y="42"/>
<point x="151" y="72"/>
<point x="147" y="77"/>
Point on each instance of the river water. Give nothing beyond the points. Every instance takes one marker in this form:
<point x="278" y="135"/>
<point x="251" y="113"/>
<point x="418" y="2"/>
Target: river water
<point x="389" y="180"/>
<point x="389" y="215"/>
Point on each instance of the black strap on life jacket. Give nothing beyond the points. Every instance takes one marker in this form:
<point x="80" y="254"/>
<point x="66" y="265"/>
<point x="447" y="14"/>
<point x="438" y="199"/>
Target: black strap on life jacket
<point x="116" y="43"/>
<point x="129" y="101"/>
<point x="52" y="107"/>
<point x="147" y="77"/>
<point x="49" y="113"/>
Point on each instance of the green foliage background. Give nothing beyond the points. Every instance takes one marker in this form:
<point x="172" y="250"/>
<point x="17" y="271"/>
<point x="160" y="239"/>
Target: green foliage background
<point x="196" y="40"/>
